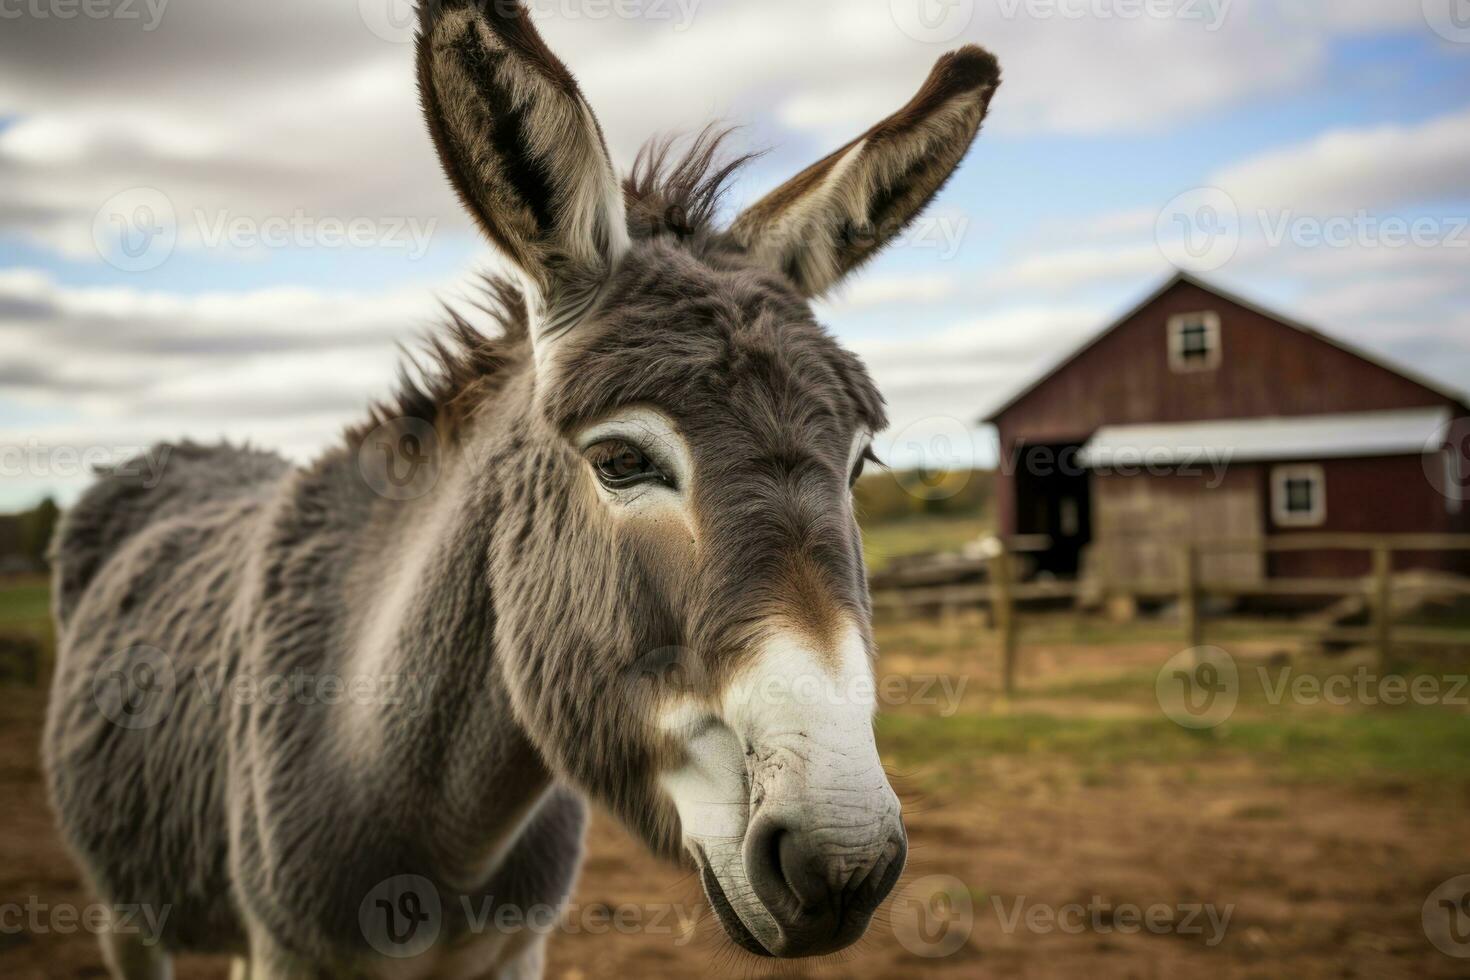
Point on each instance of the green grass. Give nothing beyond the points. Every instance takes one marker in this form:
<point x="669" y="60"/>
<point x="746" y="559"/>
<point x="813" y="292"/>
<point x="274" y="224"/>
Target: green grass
<point x="920" y="533"/>
<point x="1425" y="746"/>
<point x="24" y="601"/>
<point x="25" y="612"/>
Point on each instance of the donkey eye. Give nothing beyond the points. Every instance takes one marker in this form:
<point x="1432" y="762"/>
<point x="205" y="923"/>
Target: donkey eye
<point x="620" y="465"/>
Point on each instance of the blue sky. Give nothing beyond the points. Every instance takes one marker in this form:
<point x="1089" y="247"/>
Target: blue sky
<point x="1300" y="112"/>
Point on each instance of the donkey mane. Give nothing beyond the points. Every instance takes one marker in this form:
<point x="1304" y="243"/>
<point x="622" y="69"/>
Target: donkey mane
<point x="669" y="195"/>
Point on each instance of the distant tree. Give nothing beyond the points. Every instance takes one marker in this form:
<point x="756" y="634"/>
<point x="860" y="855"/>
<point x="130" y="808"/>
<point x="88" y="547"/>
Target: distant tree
<point x="36" y="527"/>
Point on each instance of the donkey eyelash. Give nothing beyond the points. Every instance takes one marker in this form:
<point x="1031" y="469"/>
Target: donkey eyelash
<point x="866" y="456"/>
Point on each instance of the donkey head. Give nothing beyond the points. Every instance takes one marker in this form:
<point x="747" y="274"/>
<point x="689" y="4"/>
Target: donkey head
<point x="683" y="618"/>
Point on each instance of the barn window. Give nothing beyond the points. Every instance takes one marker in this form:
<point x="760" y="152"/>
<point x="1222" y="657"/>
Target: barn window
<point x="1194" y="341"/>
<point x="1298" y="496"/>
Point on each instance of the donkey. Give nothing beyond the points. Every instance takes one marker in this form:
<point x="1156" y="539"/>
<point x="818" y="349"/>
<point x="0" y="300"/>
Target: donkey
<point x="331" y="724"/>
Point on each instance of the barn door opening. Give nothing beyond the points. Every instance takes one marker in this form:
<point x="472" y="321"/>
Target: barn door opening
<point x="1054" y="498"/>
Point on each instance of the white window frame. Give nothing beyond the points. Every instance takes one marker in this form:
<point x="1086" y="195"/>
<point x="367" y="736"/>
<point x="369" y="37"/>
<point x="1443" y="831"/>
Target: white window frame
<point x="1177" y="361"/>
<point x="1280" y="477"/>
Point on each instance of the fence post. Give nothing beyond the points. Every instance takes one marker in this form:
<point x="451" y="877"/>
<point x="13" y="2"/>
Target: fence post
<point x="1383" y="602"/>
<point x="1189" y="596"/>
<point x="1003" y="608"/>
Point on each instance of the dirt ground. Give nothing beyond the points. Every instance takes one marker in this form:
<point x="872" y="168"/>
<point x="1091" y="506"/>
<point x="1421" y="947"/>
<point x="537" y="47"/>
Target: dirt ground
<point x="1023" y="864"/>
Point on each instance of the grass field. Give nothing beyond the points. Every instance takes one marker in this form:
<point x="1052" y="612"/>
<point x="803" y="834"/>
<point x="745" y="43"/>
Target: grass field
<point x="24" y="603"/>
<point x="920" y="533"/>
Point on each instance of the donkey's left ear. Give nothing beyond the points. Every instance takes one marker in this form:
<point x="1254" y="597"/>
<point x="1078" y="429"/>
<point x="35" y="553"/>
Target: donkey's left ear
<point x="837" y="213"/>
<point x="524" y="152"/>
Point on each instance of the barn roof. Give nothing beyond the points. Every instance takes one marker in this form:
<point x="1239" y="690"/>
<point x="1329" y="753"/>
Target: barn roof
<point x="1402" y="432"/>
<point x="1458" y="397"/>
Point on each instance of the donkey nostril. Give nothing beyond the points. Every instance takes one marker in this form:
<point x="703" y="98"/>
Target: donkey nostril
<point x="787" y="875"/>
<point x="867" y="892"/>
<point x="803" y="871"/>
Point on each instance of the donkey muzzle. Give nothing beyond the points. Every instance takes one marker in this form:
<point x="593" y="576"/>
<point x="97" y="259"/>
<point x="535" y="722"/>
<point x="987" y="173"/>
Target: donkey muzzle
<point x="822" y="842"/>
<point x="820" y="890"/>
<point x="824" y="847"/>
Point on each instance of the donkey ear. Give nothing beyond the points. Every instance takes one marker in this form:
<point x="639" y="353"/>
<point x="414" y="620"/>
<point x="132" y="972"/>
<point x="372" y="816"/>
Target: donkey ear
<point x="837" y="213"/>
<point x="523" y="150"/>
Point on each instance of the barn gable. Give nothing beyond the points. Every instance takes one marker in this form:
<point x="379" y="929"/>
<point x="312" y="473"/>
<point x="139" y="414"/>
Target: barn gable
<point x="1266" y="365"/>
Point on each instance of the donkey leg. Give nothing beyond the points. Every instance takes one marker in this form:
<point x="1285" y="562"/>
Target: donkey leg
<point x="526" y="964"/>
<point x="268" y="961"/>
<point x="129" y="957"/>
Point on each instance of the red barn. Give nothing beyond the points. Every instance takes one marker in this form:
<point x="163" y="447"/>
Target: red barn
<point x="1199" y="415"/>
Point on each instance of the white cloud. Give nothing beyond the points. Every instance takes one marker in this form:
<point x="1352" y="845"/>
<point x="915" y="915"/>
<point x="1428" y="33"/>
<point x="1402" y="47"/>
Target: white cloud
<point x="133" y="366"/>
<point x="1069" y="269"/>
<point x="868" y="292"/>
<point x="1348" y="169"/>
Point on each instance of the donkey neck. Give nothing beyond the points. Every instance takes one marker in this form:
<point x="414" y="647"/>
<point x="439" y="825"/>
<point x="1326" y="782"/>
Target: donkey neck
<point x="447" y="751"/>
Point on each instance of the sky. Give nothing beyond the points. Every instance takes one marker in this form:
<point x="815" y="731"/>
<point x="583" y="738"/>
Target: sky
<point x="221" y="219"/>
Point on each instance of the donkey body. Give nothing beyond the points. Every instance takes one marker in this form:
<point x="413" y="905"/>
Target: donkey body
<point x="336" y="729"/>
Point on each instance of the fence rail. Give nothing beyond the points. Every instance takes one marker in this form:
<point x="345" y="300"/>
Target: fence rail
<point x="1002" y="593"/>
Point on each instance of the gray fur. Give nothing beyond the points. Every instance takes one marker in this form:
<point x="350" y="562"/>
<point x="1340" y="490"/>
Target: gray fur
<point x="538" y="634"/>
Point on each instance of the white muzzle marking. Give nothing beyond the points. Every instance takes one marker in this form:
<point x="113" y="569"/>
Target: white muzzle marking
<point x="791" y="735"/>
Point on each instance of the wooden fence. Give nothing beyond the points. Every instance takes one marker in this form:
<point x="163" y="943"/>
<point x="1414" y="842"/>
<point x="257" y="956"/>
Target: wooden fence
<point x="1003" y="593"/>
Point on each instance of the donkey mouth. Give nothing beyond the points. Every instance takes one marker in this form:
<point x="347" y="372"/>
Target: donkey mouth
<point x="731" y="923"/>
